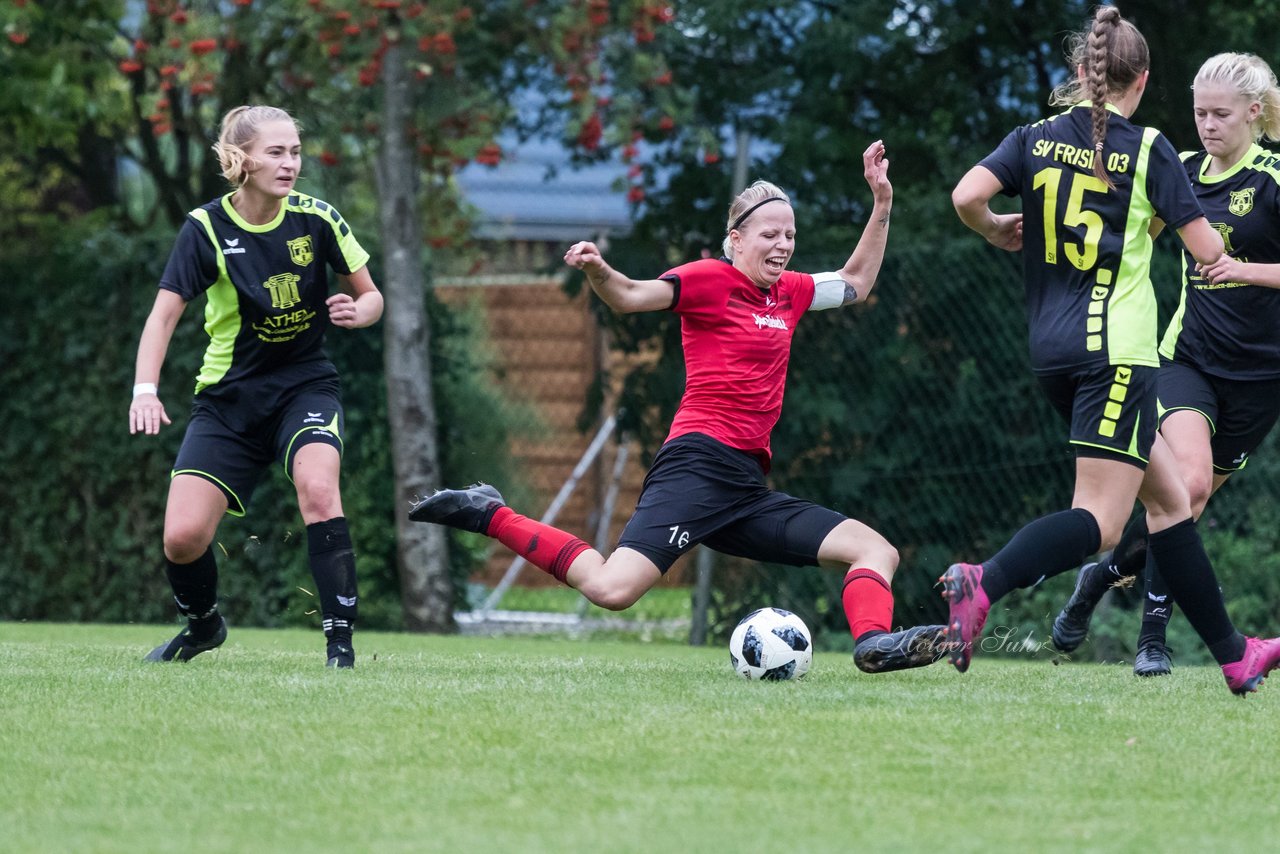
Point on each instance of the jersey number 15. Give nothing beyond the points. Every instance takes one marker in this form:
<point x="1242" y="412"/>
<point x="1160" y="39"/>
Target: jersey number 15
<point x="1085" y="255"/>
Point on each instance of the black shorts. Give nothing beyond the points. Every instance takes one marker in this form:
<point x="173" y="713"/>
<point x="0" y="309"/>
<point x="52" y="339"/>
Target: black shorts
<point x="230" y="447"/>
<point x="1240" y="412"/>
<point x="699" y="490"/>
<point x="1111" y="410"/>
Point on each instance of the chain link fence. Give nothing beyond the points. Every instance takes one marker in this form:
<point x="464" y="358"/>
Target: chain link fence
<point x="918" y="414"/>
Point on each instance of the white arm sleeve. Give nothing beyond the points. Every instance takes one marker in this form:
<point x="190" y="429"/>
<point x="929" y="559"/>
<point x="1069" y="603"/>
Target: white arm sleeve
<point x="828" y="291"/>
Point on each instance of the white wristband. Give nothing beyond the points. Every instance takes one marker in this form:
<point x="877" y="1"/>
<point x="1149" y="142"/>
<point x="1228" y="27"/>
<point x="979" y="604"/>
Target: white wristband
<point x="144" y="388"/>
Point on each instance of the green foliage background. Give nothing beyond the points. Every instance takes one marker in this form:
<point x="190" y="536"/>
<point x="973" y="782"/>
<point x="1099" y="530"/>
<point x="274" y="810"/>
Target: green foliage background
<point x="916" y="414"/>
<point x="82" y="510"/>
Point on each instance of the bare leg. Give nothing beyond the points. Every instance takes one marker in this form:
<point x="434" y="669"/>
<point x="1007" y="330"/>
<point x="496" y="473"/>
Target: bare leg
<point x="616" y="583"/>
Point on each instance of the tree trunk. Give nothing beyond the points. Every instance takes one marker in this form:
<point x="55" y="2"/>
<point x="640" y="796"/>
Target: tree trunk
<point x="425" y="586"/>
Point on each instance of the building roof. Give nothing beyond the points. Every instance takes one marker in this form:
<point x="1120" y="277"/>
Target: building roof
<point x="536" y="194"/>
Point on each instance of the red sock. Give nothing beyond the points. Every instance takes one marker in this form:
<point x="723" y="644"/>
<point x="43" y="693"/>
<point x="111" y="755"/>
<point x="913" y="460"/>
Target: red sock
<point x="868" y="602"/>
<point x="549" y="549"/>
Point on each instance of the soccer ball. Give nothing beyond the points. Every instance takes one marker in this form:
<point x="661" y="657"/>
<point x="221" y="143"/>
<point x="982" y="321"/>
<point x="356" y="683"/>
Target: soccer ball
<point x="771" y="643"/>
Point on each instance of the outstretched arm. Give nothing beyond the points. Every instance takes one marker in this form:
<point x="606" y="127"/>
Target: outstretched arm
<point x="860" y="271"/>
<point x="622" y="294"/>
<point x="972" y="198"/>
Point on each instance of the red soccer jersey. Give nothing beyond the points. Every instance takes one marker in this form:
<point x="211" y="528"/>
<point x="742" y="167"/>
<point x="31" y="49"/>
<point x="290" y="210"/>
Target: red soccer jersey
<point x="737" y="342"/>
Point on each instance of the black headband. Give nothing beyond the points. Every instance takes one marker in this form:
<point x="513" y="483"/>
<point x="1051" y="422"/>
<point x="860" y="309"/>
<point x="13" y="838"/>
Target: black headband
<point x="737" y="222"/>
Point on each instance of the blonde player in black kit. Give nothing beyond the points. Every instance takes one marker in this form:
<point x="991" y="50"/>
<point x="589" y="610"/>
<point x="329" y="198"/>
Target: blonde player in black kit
<point x="266" y="391"/>
<point x="1092" y="184"/>
<point x="1219" y="379"/>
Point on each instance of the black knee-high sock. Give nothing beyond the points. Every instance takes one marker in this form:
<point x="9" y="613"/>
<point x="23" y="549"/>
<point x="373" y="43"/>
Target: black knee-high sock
<point x="1042" y="549"/>
<point x="1179" y="554"/>
<point x="1129" y="557"/>
<point x="1157" y="607"/>
<point x="333" y="565"/>
<point x="195" y="589"/>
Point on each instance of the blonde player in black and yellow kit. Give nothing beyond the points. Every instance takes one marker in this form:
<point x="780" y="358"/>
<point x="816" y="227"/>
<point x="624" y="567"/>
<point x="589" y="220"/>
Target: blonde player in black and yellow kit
<point x="266" y="392"/>
<point x="1219" y="375"/>
<point x="1092" y="184"/>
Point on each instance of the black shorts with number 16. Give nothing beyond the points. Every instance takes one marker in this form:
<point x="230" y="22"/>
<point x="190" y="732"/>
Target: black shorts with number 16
<point x="699" y="490"/>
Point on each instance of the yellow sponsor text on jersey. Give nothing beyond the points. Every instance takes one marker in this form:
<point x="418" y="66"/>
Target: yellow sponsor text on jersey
<point x="280" y="328"/>
<point x="291" y="318"/>
<point x="1064" y="152"/>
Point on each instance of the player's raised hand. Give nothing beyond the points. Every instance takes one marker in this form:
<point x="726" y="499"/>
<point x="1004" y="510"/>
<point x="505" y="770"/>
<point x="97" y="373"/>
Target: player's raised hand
<point x="146" y="414"/>
<point x="875" y="168"/>
<point x="584" y="255"/>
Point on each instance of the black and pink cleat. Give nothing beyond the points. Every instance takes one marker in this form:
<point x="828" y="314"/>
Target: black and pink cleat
<point x="1260" y="658"/>
<point x="962" y="587"/>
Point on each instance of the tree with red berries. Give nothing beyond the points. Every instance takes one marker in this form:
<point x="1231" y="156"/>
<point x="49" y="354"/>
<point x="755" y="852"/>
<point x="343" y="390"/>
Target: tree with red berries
<point x="405" y="93"/>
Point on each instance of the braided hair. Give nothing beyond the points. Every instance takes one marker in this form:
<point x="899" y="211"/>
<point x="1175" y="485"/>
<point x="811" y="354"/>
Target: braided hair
<point x="1112" y="54"/>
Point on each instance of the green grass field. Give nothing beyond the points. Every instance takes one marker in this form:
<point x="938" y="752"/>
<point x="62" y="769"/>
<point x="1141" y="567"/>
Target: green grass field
<point x="476" y="745"/>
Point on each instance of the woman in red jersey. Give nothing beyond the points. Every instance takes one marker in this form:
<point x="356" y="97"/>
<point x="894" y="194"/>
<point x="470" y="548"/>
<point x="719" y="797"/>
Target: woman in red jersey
<point x="707" y="483"/>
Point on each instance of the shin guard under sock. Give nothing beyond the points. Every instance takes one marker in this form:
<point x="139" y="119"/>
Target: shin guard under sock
<point x="549" y="549"/>
<point x="195" y="590"/>
<point x="1042" y="549"/>
<point x="333" y="566"/>
<point x="1129" y="557"/>
<point x="1180" y="557"/>
<point x="868" y="603"/>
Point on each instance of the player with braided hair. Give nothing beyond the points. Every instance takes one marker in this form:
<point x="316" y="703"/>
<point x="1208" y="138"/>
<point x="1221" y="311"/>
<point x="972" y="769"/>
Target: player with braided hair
<point x="1219" y="378"/>
<point x="1092" y="185"/>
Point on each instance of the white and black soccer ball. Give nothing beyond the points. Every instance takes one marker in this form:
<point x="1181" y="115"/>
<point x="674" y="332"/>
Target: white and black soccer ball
<point x="771" y="643"/>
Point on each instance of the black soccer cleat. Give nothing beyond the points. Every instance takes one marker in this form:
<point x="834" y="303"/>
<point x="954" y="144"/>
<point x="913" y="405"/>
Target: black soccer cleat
<point x="341" y="654"/>
<point x="1071" y="626"/>
<point x="1152" y="660"/>
<point x="187" y="646"/>
<point x="469" y="509"/>
<point x="915" y="647"/>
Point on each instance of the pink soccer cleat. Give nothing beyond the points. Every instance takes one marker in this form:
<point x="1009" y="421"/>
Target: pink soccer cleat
<point x="962" y="587"/>
<point x="1260" y="658"/>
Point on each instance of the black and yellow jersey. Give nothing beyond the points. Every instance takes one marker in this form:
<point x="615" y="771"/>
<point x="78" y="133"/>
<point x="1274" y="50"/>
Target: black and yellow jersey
<point x="1085" y="246"/>
<point x="1232" y="330"/>
<point x="266" y="284"/>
